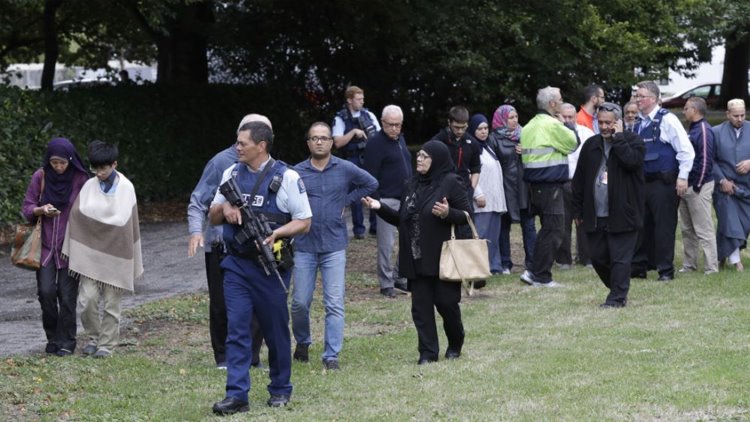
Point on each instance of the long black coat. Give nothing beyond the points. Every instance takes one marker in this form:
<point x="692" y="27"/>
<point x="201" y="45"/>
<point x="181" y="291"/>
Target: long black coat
<point x="433" y="229"/>
<point x="625" y="182"/>
<point x="516" y="190"/>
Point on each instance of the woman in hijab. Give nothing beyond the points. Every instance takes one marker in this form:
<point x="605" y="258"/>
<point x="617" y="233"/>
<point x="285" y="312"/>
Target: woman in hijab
<point x="433" y="200"/>
<point x="506" y="135"/>
<point x="489" y="196"/>
<point x="49" y="196"/>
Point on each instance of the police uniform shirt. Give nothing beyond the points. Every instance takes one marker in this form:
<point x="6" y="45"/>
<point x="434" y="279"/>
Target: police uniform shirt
<point x="291" y="197"/>
<point x="673" y="133"/>
<point x="338" y="123"/>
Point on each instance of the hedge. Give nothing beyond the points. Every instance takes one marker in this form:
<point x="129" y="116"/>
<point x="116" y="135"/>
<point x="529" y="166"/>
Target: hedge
<point x="165" y="134"/>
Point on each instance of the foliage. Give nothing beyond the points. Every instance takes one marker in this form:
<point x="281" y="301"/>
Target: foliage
<point x="677" y="352"/>
<point x="165" y="134"/>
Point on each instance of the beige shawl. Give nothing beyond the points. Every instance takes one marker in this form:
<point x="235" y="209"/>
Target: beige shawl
<point x="103" y="239"/>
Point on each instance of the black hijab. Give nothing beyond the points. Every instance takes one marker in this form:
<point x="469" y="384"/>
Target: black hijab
<point x="57" y="187"/>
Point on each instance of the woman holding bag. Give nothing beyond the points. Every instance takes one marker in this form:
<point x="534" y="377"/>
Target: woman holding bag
<point x="432" y="201"/>
<point x="50" y="194"/>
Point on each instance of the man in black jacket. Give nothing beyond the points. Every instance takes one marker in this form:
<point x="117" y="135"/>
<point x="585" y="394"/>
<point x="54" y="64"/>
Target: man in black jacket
<point x="608" y="200"/>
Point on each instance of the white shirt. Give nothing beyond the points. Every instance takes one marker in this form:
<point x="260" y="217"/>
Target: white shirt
<point x="584" y="133"/>
<point x="490" y="185"/>
<point x="291" y="197"/>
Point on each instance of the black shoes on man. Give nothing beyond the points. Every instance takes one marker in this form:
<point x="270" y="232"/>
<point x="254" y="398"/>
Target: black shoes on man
<point x="230" y="406"/>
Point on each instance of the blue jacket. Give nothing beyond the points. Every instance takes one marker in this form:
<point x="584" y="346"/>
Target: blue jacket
<point x="702" y="137"/>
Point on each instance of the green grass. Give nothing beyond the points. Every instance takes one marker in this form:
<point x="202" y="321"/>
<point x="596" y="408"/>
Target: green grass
<point x="679" y="351"/>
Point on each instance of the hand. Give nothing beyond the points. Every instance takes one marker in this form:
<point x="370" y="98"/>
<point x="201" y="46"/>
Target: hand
<point x="194" y="243"/>
<point x="359" y="133"/>
<point x="618" y="126"/>
<point x="370" y="203"/>
<point x="578" y="221"/>
<point x="682" y="186"/>
<point x="232" y="214"/>
<point x="481" y="201"/>
<point x="270" y="240"/>
<point x="727" y="186"/>
<point x="48" y="210"/>
<point x="519" y="150"/>
<point x="441" y="208"/>
<point x="743" y="167"/>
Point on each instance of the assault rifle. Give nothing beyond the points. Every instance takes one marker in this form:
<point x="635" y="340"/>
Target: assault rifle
<point x="254" y="228"/>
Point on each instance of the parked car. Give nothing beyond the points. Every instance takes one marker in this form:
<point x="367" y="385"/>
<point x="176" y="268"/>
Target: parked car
<point x="80" y="83"/>
<point x="710" y="92"/>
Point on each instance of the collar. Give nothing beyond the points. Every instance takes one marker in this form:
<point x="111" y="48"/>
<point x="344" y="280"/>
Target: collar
<point x="650" y="115"/>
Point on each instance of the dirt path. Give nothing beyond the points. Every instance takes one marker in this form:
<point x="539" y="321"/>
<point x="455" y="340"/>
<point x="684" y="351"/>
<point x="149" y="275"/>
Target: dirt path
<point x="168" y="271"/>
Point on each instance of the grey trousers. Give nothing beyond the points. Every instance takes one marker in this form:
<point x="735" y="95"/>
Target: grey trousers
<point x="387" y="237"/>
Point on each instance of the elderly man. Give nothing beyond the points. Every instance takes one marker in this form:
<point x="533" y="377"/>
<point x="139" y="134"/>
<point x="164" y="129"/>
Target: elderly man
<point x="732" y="194"/>
<point x="546" y="143"/>
<point x="564" y="255"/>
<point x="669" y="159"/>
<point x="696" y="219"/>
<point x="388" y="160"/>
<point x="352" y="127"/>
<point x="332" y="184"/>
<point x="593" y="96"/>
<point x="608" y="200"/>
<point x="277" y="193"/>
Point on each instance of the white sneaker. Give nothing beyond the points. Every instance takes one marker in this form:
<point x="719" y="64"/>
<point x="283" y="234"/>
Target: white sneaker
<point x="528" y="278"/>
<point x="552" y="283"/>
<point x="506" y="272"/>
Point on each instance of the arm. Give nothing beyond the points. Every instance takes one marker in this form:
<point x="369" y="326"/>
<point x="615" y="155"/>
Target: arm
<point x="200" y="200"/>
<point x="385" y="212"/>
<point x="629" y="149"/>
<point x="577" y="186"/>
<point x="289" y="229"/>
<point x="364" y="184"/>
<point x="341" y="139"/>
<point x="451" y="208"/>
<point x="674" y="133"/>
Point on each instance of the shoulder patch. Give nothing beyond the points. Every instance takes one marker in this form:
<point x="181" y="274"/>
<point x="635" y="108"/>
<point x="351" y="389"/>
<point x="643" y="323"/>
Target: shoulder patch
<point x="301" y="185"/>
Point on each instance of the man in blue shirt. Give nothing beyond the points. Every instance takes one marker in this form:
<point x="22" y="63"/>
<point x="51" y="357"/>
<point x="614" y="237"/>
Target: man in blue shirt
<point x="332" y="184"/>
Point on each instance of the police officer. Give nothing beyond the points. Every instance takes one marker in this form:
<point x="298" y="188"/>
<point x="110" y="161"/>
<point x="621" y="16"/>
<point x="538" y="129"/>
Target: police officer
<point x="352" y="126"/>
<point x="278" y="193"/>
<point x="669" y="159"/>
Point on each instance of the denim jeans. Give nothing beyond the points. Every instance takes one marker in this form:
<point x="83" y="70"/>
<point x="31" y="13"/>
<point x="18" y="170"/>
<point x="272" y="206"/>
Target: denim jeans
<point x="332" y="267"/>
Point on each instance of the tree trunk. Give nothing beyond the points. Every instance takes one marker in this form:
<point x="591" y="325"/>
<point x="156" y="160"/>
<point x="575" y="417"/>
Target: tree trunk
<point x="51" y="49"/>
<point x="736" y="64"/>
<point x="183" y="52"/>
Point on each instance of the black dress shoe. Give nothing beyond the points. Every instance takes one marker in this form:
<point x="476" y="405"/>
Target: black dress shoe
<point x="478" y="284"/>
<point x="388" y="292"/>
<point x="51" y="348"/>
<point x="665" y="277"/>
<point x="230" y="406"/>
<point x="425" y="361"/>
<point x="451" y="354"/>
<point x="278" y="400"/>
<point x="301" y="352"/>
<point x="612" y="305"/>
<point x="401" y="286"/>
<point x="638" y="274"/>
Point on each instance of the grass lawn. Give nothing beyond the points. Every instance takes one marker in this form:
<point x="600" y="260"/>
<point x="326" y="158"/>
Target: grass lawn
<point x="679" y="351"/>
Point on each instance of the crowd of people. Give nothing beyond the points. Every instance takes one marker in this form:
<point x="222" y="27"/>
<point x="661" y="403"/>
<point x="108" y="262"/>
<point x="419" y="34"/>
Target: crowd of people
<point x="622" y="176"/>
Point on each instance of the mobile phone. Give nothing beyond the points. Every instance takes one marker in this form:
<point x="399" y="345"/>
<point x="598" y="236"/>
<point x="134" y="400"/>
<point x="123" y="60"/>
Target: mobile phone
<point x="53" y="209"/>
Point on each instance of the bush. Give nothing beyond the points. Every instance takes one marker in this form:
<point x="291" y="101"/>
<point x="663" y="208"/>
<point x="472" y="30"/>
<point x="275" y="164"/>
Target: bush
<point x="165" y="134"/>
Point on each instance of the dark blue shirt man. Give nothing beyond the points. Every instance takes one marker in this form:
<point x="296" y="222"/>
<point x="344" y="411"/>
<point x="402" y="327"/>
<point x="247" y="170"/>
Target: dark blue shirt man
<point x="332" y="184"/>
<point x="388" y="160"/>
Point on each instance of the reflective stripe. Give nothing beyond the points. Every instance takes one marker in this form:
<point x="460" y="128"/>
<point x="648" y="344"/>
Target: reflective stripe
<point x="543" y="164"/>
<point x="538" y="151"/>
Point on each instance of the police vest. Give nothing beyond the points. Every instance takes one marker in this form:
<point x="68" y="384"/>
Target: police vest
<point x="363" y="122"/>
<point x="660" y="156"/>
<point x="262" y="202"/>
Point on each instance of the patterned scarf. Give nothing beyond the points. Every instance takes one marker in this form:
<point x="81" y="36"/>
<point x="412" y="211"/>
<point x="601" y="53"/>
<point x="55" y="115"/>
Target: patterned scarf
<point x="500" y="123"/>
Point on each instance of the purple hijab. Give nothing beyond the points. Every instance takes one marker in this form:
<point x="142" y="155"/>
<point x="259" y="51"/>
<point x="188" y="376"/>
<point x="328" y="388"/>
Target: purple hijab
<point x="500" y="123"/>
<point x="57" y="187"/>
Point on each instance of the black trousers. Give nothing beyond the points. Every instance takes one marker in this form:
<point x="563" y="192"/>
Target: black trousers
<point x="564" y="253"/>
<point x="655" y="247"/>
<point x="547" y="202"/>
<point x="428" y="294"/>
<point x="58" y="292"/>
<point x="217" y="312"/>
<point x="611" y="255"/>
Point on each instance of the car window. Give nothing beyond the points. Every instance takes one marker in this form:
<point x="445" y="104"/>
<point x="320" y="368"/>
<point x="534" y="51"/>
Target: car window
<point x="717" y="90"/>
<point x="701" y="91"/>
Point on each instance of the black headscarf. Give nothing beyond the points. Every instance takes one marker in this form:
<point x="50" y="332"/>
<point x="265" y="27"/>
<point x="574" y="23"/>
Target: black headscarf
<point x="57" y="187"/>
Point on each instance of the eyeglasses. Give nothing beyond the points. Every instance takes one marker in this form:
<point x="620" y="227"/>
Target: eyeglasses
<point x="392" y="125"/>
<point x="317" y="139"/>
<point x="640" y="97"/>
<point x="610" y="108"/>
<point x="423" y="155"/>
